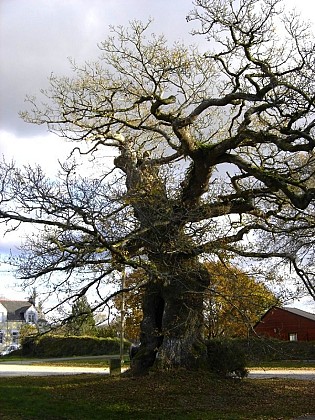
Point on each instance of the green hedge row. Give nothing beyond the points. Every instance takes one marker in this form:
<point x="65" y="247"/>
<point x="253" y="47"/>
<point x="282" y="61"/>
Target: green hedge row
<point x="231" y="356"/>
<point x="254" y="350"/>
<point x="263" y="349"/>
<point x="58" y="346"/>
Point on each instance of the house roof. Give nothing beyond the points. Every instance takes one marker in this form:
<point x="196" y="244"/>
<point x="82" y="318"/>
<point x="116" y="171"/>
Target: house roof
<point x="300" y="313"/>
<point x="16" y="308"/>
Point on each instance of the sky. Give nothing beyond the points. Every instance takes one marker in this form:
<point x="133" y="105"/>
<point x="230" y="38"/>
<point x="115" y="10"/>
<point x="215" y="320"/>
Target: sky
<point x="36" y="39"/>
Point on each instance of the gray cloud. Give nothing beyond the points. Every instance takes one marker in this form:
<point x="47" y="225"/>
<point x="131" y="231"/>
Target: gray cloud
<point x="36" y="37"/>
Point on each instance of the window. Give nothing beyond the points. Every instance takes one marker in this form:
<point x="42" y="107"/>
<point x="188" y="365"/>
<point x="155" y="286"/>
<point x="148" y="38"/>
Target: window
<point x="1" y="337"/>
<point x="15" y="337"/>
<point x="31" y="318"/>
<point x="292" y="336"/>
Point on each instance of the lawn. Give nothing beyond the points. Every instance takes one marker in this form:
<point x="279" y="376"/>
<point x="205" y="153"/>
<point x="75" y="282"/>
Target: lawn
<point x="104" y="362"/>
<point x="285" y="364"/>
<point x="85" y="362"/>
<point x="176" y="395"/>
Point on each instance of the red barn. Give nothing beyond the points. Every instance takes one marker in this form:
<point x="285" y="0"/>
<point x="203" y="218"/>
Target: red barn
<point x="288" y="324"/>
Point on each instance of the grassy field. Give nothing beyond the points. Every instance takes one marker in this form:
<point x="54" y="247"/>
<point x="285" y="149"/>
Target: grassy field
<point x="78" y="362"/>
<point x="104" y="362"/>
<point x="179" y="395"/>
<point x="285" y="364"/>
<point x="282" y="364"/>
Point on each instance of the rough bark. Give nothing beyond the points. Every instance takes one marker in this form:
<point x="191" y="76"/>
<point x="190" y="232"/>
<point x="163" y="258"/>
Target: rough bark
<point x="171" y="330"/>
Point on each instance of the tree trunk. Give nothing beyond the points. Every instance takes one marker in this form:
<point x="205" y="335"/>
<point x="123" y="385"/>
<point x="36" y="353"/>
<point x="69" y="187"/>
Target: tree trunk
<point x="172" y="326"/>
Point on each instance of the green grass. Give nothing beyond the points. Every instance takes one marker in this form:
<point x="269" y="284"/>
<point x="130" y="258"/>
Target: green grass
<point x="103" y="361"/>
<point x="78" y="363"/>
<point x="176" y="395"/>
<point x="285" y="364"/>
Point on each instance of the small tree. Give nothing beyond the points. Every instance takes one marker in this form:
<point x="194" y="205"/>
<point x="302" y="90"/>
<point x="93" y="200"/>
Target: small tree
<point x="234" y="301"/>
<point x="27" y="332"/>
<point x="134" y="283"/>
<point x="81" y="321"/>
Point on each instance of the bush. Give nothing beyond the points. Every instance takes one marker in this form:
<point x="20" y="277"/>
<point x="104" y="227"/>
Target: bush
<point x="226" y="358"/>
<point x="59" y="346"/>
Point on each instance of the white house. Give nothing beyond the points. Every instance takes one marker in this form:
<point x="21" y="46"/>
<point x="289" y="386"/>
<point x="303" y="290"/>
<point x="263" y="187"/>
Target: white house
<point x="14" y="314"/>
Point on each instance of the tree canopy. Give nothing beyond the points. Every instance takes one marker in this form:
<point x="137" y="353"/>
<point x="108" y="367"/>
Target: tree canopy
<point x="195" y="156"/>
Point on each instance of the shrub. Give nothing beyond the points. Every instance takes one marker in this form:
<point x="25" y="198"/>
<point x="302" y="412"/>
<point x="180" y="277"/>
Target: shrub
<point x="226" y="358"/>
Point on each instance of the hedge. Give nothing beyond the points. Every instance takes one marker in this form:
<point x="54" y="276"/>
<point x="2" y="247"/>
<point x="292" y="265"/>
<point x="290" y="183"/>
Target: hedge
<point x="255" y="350"/>
<point x="264" y="349"/>
<point x="59" y="346"/>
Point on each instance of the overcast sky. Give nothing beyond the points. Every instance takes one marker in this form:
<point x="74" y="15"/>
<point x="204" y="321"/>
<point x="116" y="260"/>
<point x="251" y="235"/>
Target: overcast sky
<point x="37" y="37"/>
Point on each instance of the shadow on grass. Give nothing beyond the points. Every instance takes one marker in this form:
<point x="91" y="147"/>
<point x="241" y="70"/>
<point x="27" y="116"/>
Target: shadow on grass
<point x="175" y="395"/>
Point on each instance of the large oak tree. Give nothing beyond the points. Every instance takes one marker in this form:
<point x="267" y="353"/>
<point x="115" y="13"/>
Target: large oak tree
<point x="211" y="150"/>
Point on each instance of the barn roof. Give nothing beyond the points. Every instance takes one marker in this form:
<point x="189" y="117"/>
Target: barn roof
<point x="294" y="311"/>
<point x="300" y="313"/>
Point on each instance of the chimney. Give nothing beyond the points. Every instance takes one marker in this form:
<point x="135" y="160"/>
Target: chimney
<point x="31" y="300"/>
